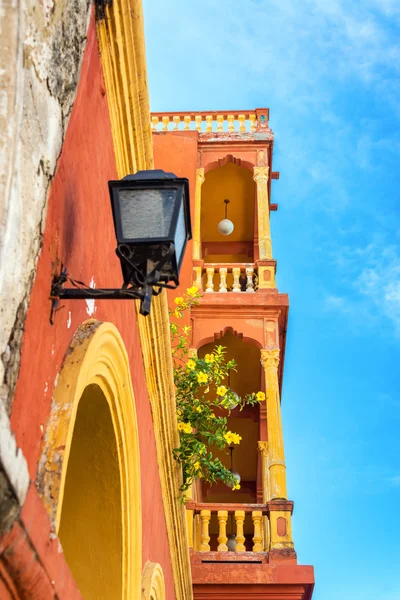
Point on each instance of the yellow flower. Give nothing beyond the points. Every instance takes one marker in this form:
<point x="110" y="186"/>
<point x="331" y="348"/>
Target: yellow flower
<point x="192" y="291"/>
<point x="177" y="313"/>
<point x="232" y="438"/>
<point x="209" y="358"/>
<point x="236" y="486"/>
<point x="197" y="465"/>
<point x="221" y="390"/>
<point x="212" y="416"/>
<point x="202" y="377"/>
<point x="190" y="364"/>
<point x="260" y="396"/>
<point x="199" y="409"/>
<point x="186" y="427"/>
<point x="179" y="300"/>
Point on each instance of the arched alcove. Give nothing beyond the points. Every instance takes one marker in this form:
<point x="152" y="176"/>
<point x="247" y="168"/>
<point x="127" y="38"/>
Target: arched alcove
<point x="245" y="380"/>
<point x="90" y="467"/>
<point x="90" y="529"/>
<point x="236" y="184"/>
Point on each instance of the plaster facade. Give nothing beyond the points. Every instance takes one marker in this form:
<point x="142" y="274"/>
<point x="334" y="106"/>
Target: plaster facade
<point x="42" y="45"/>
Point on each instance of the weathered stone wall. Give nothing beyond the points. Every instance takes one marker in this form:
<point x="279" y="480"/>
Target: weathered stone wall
<point x="42" y="45"/>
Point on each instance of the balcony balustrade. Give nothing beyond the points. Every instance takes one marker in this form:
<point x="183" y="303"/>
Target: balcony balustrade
<point x="211" y="122"/>
<point x="229" y="277"/>
<point x="235" y="514"/>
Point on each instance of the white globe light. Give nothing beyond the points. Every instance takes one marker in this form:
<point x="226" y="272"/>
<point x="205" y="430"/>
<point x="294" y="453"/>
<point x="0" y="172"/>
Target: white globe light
<point x="225" y="227"/>
<point x="231" y="542"/>
<point x="236" y="476"/>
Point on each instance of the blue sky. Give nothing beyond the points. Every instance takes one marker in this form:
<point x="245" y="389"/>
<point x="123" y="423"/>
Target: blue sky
<point x="329" y="72"/>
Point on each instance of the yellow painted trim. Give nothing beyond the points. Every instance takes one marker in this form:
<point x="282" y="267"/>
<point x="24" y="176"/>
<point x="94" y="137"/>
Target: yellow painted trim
<point x="156" y="349"/>
<point x="123" y="58"/>
<point x="122" y="49"/>
<point x="200" y="177"/>
<point x="153" y="586"/>
<point x="97" y="356"/>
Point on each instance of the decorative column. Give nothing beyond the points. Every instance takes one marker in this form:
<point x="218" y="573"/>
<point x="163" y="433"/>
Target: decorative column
<point x="279" y="508"/>
<point x="264" y="230"/>
<point x="277" y="468"/>
<point x="197" y="214"/>
<point x="263" y="448"/>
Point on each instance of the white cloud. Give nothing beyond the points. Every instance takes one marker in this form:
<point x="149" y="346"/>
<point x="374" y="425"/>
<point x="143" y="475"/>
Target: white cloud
<point x="369" y="279"/>
<point x="395" y="481"/>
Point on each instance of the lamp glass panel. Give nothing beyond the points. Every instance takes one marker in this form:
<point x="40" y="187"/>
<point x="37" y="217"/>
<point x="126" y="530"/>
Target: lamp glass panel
<point x="180" y="234"/>
<point x="146" y="214"/>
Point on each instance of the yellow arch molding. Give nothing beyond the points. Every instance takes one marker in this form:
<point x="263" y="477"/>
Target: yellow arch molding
<point x="97" y="356"/>
<point x="153" y="586"/>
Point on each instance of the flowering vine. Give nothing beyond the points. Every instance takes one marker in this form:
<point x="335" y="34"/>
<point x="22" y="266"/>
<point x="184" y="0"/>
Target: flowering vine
<point x="203" y="402"/>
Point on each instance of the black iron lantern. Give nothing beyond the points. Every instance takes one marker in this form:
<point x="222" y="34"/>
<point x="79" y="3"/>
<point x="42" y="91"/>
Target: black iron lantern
<point x="151" y="213"/>
<point x="152" y="224"/>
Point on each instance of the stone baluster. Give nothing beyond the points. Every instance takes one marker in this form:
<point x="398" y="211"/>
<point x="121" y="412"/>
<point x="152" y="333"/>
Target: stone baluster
<point x="250" y="284"/>
<point x="198" y="120"/>
<point x="242" y="124"/>
<point x="210" y="280"/>
<point x="236" y="279"/>
<point x="187" y="120"/>
<point x="222" y="538"/>
<point x="253" y="124"/>
<point x="257" y="538"/>
<point x="154" y="123"/>
<point x="231" y="123"/>
<point x="176" y="121"/>
<point x="165" y="122"/>
<point x="209" y="123"/>
<point x="205" y="516"/>
<point x="240" y="539"/>
<point x="220" y="123"/>
<point x="223" y="273"/>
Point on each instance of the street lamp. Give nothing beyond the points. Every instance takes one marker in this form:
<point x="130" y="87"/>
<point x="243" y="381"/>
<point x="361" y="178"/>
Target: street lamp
<point x="151" y="213"/>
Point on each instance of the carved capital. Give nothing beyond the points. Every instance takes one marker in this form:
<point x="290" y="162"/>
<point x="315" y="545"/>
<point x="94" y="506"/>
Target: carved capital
<point x="269" y="358"/>
<point x="261" y="174"/>
<point x="200" y="177"/>
<point x="263" y="448"/>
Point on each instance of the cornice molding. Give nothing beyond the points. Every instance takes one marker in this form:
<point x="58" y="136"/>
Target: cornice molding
<point x="122" y="49"/>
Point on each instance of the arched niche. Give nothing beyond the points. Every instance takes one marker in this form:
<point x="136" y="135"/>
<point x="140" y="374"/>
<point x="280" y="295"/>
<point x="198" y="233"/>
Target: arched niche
<point x="232" y="181"/>
<point x="245" y="380"/>
<point x="153" y="586"/>
<point x="90" y="470"/>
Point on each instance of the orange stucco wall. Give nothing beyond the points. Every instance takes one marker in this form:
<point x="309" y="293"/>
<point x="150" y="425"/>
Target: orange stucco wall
<point x="79" y="233"/>
<point x="177" y="153"/>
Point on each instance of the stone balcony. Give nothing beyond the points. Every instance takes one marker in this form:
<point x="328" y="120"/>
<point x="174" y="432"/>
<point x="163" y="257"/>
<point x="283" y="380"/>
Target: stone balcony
<point x="251" y="570"/>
